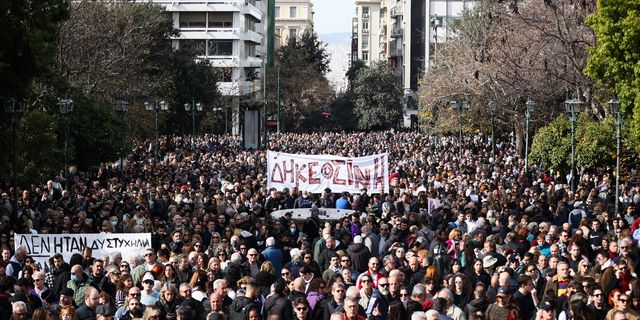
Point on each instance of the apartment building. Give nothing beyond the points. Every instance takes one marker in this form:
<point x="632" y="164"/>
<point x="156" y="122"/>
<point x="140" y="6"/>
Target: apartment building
<point x="406" y="35"/>
<point x="293" y="18"/>
<point x="230" y="34"/>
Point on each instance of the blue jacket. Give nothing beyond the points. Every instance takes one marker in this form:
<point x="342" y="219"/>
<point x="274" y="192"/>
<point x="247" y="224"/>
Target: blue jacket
<point x="274" y="255"/>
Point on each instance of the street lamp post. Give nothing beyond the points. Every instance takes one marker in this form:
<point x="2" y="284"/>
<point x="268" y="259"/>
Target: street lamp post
<point x="193" y="109"/>
<point x="527" y="115"/>
<point x="459" y="108"/>
<point x="614" y="104"/>
<point x="66" y="107"/>
<point x="156" y="107"/>
<point x="572" y="106"/>
<point x="14" y="108"/>
<point x="122" y="108"/>
<point x="493" y="107"/>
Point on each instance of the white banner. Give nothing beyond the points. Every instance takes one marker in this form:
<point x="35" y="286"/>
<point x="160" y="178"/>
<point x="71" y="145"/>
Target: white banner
<point x="42" y="246"/>
<point x="314" y="173"/>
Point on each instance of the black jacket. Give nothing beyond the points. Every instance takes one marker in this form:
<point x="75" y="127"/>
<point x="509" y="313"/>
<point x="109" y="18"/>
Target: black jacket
<point x="359" y="255"/>
<point x="85" y="313"/>
<point x="240" y="307"/>
<point x="278" y="304"/>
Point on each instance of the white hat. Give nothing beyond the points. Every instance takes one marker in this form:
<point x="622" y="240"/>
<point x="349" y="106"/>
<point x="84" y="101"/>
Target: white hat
<point x="357" y="239"/>
<point x="147" y="277"/>
<point x="488" y="261"/>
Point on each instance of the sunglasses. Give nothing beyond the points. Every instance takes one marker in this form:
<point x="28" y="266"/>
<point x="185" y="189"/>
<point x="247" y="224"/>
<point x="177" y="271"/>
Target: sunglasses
<point x="384" y="285"/>
<point x="301" y="308"/>
<point x="285" y="273"/>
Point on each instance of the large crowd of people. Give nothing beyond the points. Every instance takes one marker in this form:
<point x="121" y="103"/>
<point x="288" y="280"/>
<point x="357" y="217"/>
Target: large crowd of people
<point x="505" y="241"/>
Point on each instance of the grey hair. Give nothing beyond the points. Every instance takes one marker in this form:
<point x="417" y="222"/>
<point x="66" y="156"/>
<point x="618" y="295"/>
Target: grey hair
<point x="421" y="315"/>
<point x="337" y="285"/>
<point x="218" y="283"/>
<point x="446" y="294"/>
<point x="418" y="290"/>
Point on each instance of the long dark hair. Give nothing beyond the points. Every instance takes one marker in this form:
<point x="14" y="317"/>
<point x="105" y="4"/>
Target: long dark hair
<point x="397" y="311"/>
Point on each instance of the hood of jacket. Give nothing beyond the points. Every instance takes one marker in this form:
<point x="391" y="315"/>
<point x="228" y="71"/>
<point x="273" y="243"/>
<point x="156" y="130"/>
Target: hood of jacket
<point x="356" y="247"/>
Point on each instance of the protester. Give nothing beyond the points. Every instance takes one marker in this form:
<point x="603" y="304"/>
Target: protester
<point x="468" y="235"/>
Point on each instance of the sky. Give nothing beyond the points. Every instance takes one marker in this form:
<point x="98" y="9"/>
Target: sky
<point x="333" y="16"/>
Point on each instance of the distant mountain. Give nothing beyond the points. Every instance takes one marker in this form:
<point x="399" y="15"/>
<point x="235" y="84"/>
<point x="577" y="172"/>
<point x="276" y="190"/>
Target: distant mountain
<point x="339" y="48"/>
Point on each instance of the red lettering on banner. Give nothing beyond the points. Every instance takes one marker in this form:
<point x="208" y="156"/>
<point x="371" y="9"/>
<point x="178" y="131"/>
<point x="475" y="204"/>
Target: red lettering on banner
<point x="288" y="172"/>
<point x="300" y="168"/>
<point x="363" y="179"/>
<point x="378" y="177"/>
<point x="278" y="178"/>
<point x="336" y="172"/>
<point x="349" y="172"/>
<point x="312" y="173"/>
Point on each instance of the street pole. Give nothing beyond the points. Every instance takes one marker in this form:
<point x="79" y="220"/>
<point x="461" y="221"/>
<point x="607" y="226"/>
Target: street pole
<point x="278" y="103"/>
<point x="193" y="109"/>
<point x="66" y="107"/>
<point x="527" y="114"/>
<point x="614" y="104"/>
<point x="573" y="107"/>
<point x="493" y="106"/>
<point x="156" y="107"/>
<point x="121" y="110"/>
<point x="157" y="151"/>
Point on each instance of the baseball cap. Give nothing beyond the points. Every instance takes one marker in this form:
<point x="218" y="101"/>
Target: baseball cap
<point x="148" y="277"/>
<point x="547" y="305"/>
<point x="503" y="291"/>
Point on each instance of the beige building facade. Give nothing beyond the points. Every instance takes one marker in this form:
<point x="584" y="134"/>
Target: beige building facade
<point x="293" y="18"/>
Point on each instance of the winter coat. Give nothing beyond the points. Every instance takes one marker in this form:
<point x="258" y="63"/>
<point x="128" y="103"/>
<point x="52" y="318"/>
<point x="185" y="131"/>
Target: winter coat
<point x="278" y="304"/>
<point x="359" y="255"/>
<point x="239" y="309"/>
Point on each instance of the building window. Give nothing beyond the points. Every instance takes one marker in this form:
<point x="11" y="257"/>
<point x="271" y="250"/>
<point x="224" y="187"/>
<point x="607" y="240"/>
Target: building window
<point x="220" y="19"/>
<point x="249" y="49"/>
<point x="365" y="12"/>
<point x="192" y="19"/>
<point x="365" y="26"/>
<point x="277" y="12"/>
<point x="365" y="43"/>
<point x="198" y="46"/>
<point x="292" y="34"/>
<point x="250" y="23"/>
<point x="365" y="56"/>
<point x="293" y="12"/>
<point x="220" y="47"/>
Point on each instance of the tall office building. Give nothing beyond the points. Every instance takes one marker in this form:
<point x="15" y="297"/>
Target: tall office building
<point x="293" y="18"/>
<point x="367" y="24"/>
<point x="230" y="34"/>
<point x="408" y="34"/>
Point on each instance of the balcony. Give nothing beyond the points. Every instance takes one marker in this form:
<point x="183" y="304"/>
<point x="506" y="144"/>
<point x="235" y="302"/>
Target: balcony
<point x="397" y="32"/>
<point x="396" y="10"/>
<point x="365" y="30"/>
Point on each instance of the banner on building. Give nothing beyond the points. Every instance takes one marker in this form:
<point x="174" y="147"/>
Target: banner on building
<point x="314" y="173"/>
<point x="43" y="246"/>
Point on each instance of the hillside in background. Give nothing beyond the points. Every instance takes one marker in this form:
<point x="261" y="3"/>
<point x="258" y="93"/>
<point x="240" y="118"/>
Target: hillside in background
<point x="339" y="47"/>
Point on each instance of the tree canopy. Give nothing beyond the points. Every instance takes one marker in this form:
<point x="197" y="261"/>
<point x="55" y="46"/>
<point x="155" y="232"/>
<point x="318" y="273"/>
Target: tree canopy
<point x="304" y="90"/>
<point x="614" y="59"/>
<point x="378" y="97"/>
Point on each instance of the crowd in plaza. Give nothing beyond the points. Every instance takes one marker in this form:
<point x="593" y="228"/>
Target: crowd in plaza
<point x="504" y="241"/>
